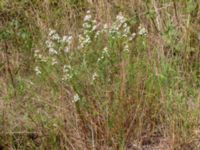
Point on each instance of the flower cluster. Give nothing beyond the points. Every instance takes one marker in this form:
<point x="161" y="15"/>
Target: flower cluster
<point x="67" y="72"/>
<point x="103" y="55"/>
<point x="89" y="30"/>
<point x="58" y="54"/>
<point x="142" y="30"/>
<point x="55" y="45"/>
<point x="76" y="98"/>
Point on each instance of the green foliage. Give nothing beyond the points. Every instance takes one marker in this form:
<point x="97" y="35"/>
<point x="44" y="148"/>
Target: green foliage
<point x="95" y="83"/>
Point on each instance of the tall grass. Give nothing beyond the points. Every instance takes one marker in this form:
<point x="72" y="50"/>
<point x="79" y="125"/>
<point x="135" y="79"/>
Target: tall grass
<point x="99" y="74"/>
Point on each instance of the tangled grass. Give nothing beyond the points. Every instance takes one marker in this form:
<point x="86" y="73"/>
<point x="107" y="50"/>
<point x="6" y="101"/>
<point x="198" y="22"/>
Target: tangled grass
<point x="99" y="74"/>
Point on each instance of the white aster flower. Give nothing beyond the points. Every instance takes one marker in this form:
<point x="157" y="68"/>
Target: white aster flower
<point x="88" y="17"/>
<point x="55" y="37"/>
<point x="120" y="18"/>
<point x="142" y="30"/>
<point x="54" y="61"/>
<point x="94" y="76"/>
<point x="52" y="32"/>
<point x="67" y="39"/>
<point x="37" y="70"/>
<point x="52" y="51"/>
<point x="66" y="49"/>
<point x="88" y="12"/>
<point x="86" y="25"/>
<point x="105" y="51"/>
<point x="126" y="48"/>
<point x="105" y="27"/>
<point x="76" y="98"/>
<point x="49" y="43"/>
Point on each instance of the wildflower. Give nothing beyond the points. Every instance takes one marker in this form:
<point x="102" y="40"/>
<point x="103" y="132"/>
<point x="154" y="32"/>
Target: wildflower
<point x="88" y="12"/>
<point x="127" y="30"/>
<point x="94" y="76"/>
<point x="76" y="98"/>
<point x="126" y="48"/>
<point x="36" y="53"/>
<point x="37" y="70"/>
<point x="66" y="68"/>
<point x="97" y="34"/>
<point x="105" y="51"/>
<point x="99" y="59"/>
<point x="120" y="18"/>
<point x="125" y="25"/>
<point x="55" y="37"/>
<point x="105" y="27"/>
<point x="66" y="49"/>
<point x="142" y="30"/>
<point x="49" y="43"/>
<point x="86" y="25"/>
<point x="43" y="59"/>
<point x="52" y="32"/>
<point x="133" y="35"/>
<point x="94" y="28"/>
<point x="67" y="39"/>
<point x="54" y="61"/>
<point x="52" y="51"/>
<point x="88" y="17"/>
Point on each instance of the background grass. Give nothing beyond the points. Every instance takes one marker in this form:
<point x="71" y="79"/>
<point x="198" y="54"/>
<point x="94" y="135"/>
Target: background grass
<point x="146" y="97"/>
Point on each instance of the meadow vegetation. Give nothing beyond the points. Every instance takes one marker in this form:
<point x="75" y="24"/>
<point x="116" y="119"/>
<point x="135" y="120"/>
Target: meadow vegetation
<point x="100" y="74"/>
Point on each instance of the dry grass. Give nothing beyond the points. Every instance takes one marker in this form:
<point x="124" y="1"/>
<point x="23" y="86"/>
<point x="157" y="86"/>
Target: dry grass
<point x="151" y="100"/>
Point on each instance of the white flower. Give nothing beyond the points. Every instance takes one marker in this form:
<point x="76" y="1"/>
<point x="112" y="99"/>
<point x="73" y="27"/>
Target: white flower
<point x="133" y="35"/>
<point x="52" y="32"/>
<point x="49" y="43"/>
<point x="142" y="30"/>
<point x="43" y="59"/>
<point x="66" y="49"/>
<point x="98" y="60"/>
<point x="76" y="98"/>
<point x="37" y="70"/>
<point x="94" y="27"/>
<point x="54" y="61"/>
<point x="36" y="53"/>
<point x="86" y="25"/>
<point x="127" y="30"/>
<point x="55" y="37"/>
<point x="126" y="48"/>
<point x="88" y="12"/>
<point x="105" y="51"/>
<point x="67" y="39"/>
<point x="52" y="51"/>
<point x="97" y="34"/>
<point x="120" y="18"/>
<point x="125" y="25"/>
<point x="94" y="76"/>
<point x="39" y="56"/>
<point x="105" y="27"/>
<point x="66" y="68"/>
<point x="88" y="17"/>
